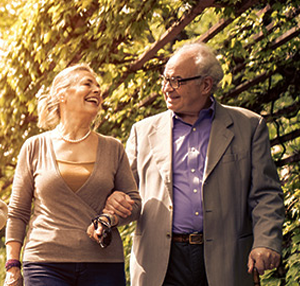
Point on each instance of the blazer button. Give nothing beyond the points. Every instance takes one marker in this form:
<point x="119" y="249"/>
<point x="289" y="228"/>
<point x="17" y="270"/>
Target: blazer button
<point x="168" y="235"/>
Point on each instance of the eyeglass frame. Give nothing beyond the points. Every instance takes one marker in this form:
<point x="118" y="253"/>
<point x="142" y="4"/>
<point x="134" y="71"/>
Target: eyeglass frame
<point x="180" y="81"/>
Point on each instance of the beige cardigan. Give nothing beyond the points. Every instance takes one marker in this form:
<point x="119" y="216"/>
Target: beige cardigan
<point x="60" y="217"/>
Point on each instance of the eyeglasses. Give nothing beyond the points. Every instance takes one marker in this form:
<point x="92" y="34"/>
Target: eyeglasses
<point x="175" y="82"/>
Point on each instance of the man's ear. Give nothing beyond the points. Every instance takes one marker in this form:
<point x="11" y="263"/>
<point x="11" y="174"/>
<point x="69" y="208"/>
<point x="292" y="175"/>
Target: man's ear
<point x="207" y="85"/>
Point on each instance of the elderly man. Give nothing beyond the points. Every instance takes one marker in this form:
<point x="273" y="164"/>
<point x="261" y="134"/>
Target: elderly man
<point x="212" y="202"/>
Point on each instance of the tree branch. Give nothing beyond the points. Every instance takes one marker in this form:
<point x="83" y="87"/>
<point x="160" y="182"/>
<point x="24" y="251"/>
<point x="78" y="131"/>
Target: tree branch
<point x="287" y="137"/>
<point x="223" y="23"/>
<point x="292" y="159"/>
<point x="288" y="112"/>
<point x="246" y="85"/>
<point x="170" y="34"/>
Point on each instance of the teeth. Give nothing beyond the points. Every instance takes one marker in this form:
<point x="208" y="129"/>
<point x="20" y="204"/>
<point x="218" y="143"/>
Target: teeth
<point x="92" y="99"/>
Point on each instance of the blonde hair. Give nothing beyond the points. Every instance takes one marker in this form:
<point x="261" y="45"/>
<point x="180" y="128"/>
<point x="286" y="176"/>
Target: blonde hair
<point x="205" y="60"/>
<point x="48" y="103"/>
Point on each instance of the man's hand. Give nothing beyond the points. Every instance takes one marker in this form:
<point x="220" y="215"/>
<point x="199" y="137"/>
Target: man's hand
<point x="263" y="259"/>
<point x="119" y="203"/>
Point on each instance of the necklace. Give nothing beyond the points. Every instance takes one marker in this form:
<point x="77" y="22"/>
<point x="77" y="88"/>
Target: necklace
<point x="74" y="140"/>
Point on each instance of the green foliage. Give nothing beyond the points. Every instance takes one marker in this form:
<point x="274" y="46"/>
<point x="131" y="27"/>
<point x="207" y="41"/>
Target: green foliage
<point x="291" y="253"/>
<point x="43" y="37"/>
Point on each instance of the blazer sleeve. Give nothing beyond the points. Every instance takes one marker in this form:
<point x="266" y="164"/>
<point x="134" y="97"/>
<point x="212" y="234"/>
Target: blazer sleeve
<point x="266" y="197"/>
<point x="131" y="150"/>
<point x="125" y="182"/>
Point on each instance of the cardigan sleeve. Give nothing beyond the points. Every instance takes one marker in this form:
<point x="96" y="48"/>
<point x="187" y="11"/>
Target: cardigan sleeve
<point x="19" y="209"/>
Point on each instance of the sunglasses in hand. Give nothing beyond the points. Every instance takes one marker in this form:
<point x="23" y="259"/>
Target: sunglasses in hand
<point x="106" y="236"/>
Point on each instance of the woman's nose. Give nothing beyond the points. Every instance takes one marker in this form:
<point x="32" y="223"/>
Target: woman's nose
<point x="96" y="89"/>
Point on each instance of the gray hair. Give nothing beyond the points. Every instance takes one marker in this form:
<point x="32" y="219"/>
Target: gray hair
<point x="48" y="103"/>
<point x="205" y="60"/>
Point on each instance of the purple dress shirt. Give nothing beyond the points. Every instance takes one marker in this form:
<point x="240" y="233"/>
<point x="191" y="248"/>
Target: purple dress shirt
<point x="189" y="152"/>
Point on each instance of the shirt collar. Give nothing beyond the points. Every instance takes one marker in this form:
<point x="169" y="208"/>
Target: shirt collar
<point x="211" y="110"/>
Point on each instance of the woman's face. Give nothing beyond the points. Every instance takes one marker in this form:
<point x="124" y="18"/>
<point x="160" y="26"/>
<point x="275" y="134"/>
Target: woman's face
<point x="83" y="96"/>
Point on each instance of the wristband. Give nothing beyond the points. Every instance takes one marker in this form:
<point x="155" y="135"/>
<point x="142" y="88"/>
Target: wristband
<point x="12" y="263"/>
<point x="99" y="219"/>
<point x="111" y="219"/>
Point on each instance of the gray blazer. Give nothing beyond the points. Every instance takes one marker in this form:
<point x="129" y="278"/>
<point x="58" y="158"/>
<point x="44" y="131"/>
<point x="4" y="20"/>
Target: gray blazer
<point x="242" y="197"/>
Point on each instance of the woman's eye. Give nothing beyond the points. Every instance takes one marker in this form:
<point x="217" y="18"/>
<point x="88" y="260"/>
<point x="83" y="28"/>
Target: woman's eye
<point x="87" y="84"/>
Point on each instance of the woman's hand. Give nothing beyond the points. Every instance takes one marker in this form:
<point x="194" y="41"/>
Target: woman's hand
<point x="13" y="277"/>
<point x="93" y="233"/>
<point x="100" y="231"/>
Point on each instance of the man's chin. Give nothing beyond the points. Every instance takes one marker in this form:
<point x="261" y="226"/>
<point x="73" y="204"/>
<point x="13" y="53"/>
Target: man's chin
<point x="172" y="107"/>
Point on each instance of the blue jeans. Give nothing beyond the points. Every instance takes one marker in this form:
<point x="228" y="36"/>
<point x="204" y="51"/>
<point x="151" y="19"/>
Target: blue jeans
<point x="73" y="274"/>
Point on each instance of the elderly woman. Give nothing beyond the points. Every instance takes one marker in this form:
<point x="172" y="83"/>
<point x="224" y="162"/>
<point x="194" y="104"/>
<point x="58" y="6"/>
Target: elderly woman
<point x="63" y="178"/>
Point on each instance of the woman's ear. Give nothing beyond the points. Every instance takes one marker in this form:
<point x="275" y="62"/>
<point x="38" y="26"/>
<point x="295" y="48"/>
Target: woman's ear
<point x="61" y="96"/>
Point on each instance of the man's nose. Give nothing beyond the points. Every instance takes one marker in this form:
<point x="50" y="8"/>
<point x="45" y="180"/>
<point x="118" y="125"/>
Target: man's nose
<point x="167" y="87"/>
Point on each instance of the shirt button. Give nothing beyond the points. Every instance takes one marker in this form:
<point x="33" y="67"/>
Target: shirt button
<point x="196" y="213"/>
<point x="194" y="129"/>
<point x="193" y="149"/>
<point x="193" y="170"/>
<point x="195" y="190"/>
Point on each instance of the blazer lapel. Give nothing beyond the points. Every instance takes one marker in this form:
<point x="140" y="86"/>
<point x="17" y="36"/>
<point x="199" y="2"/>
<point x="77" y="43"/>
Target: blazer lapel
<point x="160" y="140"/>
<point x="220" y="138"/>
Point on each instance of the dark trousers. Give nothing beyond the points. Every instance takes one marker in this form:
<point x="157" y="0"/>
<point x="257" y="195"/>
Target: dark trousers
<point x="186" y="265"/>
<point x="74" y="274"/>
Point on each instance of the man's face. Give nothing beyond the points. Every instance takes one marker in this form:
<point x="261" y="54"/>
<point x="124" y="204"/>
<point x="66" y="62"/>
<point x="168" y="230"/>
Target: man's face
<point x="190" y="97"/>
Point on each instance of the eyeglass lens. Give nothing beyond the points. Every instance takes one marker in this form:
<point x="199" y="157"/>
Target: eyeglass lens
<point x="174" y="82"/>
